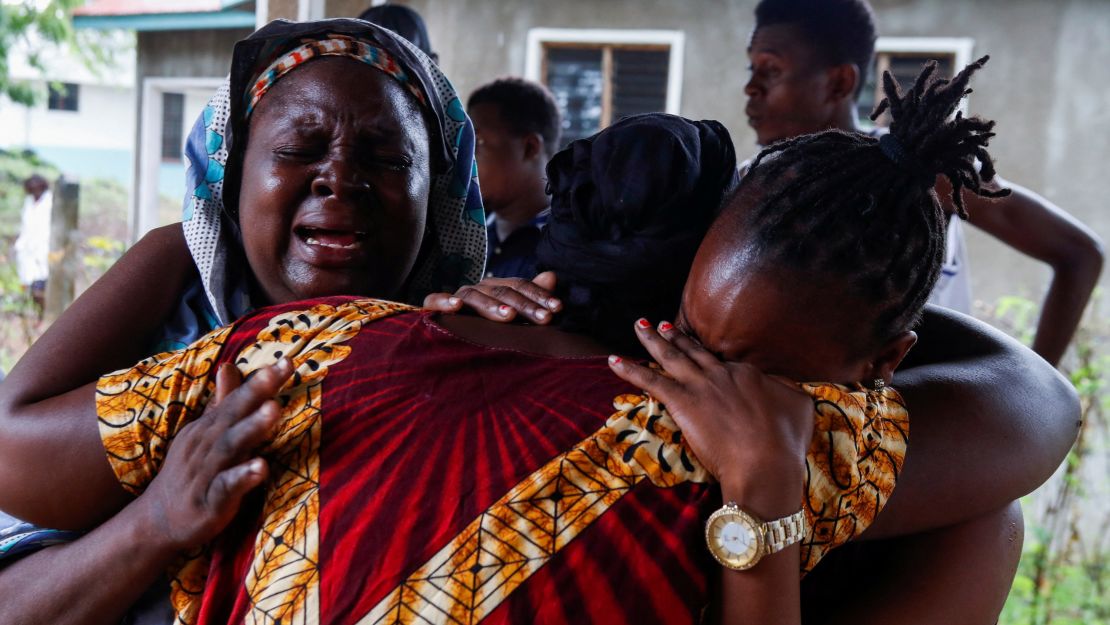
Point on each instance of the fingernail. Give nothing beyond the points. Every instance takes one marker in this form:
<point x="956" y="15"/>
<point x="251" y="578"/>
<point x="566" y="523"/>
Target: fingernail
<point x="542" y="314"/>
<point x="504" y="310"/>
<point x="453" y="301"/>
<point x="615" y="360"/>
<point x="553" y="303"/>
<point x="257" y="465"/>
<point x="644" y="324"/>
<point x="282" y="366"/>
<point x="666" y="326"/>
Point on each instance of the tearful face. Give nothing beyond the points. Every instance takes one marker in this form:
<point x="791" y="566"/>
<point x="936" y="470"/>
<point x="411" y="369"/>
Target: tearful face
<point x="336" y="174"/>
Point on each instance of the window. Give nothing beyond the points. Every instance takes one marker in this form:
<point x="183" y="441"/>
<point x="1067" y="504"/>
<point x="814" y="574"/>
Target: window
<point x="173" y="123"/>
<point x="601" y="76"/>
<point x="904" y="57"/>
<point x="63" y="97"/>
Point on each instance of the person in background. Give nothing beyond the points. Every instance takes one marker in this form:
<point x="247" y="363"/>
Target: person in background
<point x="32" y="248"/>
<point x="809" y="60"/>
<point x="517" y="125"/>
<point x="404" y="21"/>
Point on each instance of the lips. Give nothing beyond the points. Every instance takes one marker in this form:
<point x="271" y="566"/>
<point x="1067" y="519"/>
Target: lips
<point x="331" y="238"/>
<point x="331" y="244"/>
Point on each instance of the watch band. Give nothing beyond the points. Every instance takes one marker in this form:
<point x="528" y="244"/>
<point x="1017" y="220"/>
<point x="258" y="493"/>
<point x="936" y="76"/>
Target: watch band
<point x="781" y="533"/>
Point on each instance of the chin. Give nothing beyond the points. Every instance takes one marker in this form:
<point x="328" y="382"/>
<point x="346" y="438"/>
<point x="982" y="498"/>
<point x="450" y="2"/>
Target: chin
<point x="765" y="140"/>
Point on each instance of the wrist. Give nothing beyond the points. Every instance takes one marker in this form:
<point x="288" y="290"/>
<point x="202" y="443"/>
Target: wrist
<point x="146" y="528"/>
<point x="769" y="492"/>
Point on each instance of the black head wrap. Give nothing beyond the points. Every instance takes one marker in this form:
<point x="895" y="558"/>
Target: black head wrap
<point x="629" y="207"/>
<point x="402" y="20"/>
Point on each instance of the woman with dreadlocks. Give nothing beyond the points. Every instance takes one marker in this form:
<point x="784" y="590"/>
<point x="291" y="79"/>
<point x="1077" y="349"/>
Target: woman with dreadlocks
<point x="817" y="269"/>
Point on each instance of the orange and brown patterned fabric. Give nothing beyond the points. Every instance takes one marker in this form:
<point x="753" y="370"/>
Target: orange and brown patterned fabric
<point x="420" y="478"/>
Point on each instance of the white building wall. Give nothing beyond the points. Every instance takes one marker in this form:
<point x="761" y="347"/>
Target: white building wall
<point x="104" y="119"/>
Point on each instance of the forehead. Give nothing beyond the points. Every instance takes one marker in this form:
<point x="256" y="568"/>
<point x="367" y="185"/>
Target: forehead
<point x="487" y="118"/>
<point x="782" y="40"/>
<point x="783" y="321"/>
<point x="335" y="86"/>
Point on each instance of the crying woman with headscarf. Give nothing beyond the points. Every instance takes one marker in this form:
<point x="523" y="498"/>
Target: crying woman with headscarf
<point x="337" y="160"/>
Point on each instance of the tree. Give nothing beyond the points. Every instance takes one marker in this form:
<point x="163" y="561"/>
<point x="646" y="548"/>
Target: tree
<point x="33" y="26"/>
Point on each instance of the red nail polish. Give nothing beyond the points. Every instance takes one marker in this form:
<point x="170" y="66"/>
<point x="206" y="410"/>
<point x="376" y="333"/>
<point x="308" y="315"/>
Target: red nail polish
<point x="615" y="360"/>
<point x="504" y="310"/>
<point x="643" y="323"/>
<point x="666" y="326"/>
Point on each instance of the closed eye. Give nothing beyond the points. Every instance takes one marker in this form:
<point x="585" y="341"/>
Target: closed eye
<point x="298" y="152"/>
<point x="392" y="163"/>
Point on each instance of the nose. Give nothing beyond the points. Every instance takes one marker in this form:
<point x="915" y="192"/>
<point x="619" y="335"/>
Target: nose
<point x="752" y="87"/>
<point x="340" y="176"/>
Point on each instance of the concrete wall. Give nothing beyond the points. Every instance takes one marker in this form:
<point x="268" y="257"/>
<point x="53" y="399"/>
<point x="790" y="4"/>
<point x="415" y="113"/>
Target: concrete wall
<point x="187" y="53"/>
<point x="1044" y="84"/>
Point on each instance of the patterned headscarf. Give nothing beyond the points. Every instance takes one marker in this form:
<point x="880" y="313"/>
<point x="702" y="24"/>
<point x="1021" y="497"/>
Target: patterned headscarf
<point x="454" y="253"/>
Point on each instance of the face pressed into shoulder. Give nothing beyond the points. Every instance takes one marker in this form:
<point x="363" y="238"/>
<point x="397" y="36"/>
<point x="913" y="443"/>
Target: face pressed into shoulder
<point x="335" y="183"/>
<point x="775" y="319"/>
<point x="806" y="326"/>
<point x="788" y="89"/>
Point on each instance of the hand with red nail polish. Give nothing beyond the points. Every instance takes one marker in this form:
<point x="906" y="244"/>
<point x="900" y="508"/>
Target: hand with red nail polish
<point x="737" y="420"/>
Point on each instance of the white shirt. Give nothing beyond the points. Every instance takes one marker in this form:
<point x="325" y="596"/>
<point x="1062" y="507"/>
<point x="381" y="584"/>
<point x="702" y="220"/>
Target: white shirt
<point x="953" y="288"/>
<point x="32" y="248"/>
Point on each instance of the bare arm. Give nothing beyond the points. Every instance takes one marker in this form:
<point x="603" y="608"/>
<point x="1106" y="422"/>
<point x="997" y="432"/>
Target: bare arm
<point x="47" y="410"/>
<point x="1039" y="229"/>
<point x="67" y="584"/>
<point x="751" y="432"/>
<point x="957" y="575"/>
<point x="198" y="491"/>
<point x="990" y="421"/>
<point x="108" y="327"/>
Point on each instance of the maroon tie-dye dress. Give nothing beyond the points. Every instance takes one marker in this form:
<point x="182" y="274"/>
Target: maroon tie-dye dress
<point x="417" y="477"/>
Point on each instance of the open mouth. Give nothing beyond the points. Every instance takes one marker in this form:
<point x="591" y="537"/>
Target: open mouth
<point x="334" y="239"/>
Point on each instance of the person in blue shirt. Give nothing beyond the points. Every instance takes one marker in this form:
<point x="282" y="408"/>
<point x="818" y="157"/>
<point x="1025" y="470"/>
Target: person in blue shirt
<point x="517" y="127"/>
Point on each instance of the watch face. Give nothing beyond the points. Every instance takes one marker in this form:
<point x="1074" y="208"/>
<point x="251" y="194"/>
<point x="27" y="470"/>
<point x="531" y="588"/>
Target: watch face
<point x="733" y="538"/>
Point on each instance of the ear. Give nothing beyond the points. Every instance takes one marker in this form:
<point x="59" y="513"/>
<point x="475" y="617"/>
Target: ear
<point x="890" y="356"/>
<point x="843" y="81"/>
<point x="533" y="146"/>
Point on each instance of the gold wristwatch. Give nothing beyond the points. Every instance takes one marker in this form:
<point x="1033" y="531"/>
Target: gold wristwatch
<point x="739" y="540"/>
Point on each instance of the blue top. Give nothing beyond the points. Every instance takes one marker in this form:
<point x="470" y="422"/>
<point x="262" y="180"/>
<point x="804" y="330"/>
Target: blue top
<point x="515" y="257"/>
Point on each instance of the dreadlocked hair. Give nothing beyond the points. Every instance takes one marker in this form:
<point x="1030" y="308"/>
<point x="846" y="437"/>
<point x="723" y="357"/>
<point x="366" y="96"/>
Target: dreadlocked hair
<point x="851" y="206"/>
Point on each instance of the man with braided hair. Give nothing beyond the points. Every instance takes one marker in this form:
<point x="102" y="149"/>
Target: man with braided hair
<point x="809" y="59"/>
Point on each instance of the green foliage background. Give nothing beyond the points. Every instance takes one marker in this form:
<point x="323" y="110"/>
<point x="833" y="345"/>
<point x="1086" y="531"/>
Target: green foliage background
<point x="1063" y="576"/>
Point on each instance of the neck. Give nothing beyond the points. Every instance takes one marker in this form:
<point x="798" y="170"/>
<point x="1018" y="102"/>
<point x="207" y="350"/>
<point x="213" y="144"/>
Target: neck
<point x="846" y="118"/>
<point x="520" y="211"/>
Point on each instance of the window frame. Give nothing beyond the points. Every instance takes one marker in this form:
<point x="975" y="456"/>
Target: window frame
<point x="175" y="154"/>
<point x="608" y="39"/>
<point x="72" y="92"/>
<point x="144" y="198"/>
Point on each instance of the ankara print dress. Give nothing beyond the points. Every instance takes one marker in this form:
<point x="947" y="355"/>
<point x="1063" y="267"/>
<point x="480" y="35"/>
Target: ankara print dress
<point x="417" y="477"/>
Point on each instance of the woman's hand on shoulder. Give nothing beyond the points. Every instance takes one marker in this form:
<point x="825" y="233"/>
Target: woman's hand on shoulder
<point x="741" y="423"/>
<point x="502" y="299"/>
<point x="212" y="463"/>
